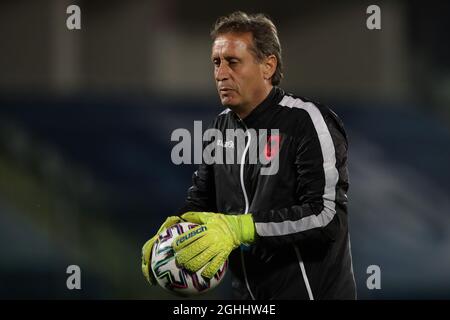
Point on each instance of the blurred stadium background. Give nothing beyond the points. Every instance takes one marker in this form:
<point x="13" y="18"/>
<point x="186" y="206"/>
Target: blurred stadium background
<point x="86" y="118"/>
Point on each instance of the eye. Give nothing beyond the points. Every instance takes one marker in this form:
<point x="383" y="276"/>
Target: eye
<point x="216" y="62"/>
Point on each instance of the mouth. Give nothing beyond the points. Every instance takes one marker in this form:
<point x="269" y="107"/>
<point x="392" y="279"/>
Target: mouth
<point x="225" y="91"/>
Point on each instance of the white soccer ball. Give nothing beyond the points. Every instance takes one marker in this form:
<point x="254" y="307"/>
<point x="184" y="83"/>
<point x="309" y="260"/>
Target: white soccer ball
<point x="173" y="278"/>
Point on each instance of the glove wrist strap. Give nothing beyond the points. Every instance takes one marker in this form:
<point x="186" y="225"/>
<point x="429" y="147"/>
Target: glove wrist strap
<point x="248" y="231"/>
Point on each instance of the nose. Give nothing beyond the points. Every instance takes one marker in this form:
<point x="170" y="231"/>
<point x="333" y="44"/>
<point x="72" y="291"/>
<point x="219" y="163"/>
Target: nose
<point x="222" y="72"/>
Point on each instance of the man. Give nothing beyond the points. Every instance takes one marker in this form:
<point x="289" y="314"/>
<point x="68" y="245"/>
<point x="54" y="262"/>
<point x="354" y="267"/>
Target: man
<point x="285" y="233"/>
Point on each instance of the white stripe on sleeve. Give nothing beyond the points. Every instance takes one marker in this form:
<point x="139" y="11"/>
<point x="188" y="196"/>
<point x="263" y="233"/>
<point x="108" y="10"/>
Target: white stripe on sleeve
<point x="331" y="178"/>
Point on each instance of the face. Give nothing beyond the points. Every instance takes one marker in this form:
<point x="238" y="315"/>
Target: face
<point x="240" y="78"/>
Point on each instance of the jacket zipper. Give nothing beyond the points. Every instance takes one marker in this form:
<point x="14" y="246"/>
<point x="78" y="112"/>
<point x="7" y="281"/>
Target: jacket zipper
<point x="246" y="203"/>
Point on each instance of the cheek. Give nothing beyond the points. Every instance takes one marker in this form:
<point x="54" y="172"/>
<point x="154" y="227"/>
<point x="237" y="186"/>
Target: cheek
<point x="246" y="79"/>
<point x="252" y="80"/>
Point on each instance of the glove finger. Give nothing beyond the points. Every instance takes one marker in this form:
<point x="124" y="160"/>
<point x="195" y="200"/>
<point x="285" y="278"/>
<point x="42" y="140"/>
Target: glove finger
<point x="197" y="217"/>
<point x="170" y="221"/>
<point x="146" y="255"/>
<point x="188" y="237"/>
<point x="197" y="262"/>
<point x="215" y="264"/>
<point x="147" y="248"/>
<point x="191" y="251"/>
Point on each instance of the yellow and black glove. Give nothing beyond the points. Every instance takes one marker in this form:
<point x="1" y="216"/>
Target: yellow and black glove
<point x="210" y="243"/>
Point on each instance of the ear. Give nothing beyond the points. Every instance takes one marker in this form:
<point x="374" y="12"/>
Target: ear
<point x="269" y="66"/>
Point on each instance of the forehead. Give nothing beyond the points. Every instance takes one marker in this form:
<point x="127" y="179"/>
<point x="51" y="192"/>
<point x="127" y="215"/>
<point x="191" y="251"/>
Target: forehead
<point x="232" y="43"/>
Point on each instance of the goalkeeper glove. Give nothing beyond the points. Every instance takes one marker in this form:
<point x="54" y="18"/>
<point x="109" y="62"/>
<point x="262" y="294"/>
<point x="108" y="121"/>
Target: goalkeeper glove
<point x="210" y="243"/>
<point x="147" y="249"/>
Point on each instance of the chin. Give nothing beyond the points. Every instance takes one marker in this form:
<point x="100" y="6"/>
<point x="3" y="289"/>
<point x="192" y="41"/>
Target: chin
<point x="225" y="102"/>
<point x="229" y="103"/>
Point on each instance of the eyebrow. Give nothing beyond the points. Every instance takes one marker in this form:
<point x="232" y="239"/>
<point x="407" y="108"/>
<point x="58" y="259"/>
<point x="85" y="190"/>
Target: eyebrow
<point x="227" y="57"/>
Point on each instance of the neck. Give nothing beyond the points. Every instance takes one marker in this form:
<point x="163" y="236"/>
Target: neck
<point x="244" y="110"/>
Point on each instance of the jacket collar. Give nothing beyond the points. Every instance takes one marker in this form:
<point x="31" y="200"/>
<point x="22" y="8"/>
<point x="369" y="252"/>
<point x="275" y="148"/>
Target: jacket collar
<point x="272" y="98"/>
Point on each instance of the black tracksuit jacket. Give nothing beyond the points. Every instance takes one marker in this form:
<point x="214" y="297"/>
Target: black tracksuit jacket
<point x="302" y="248"/>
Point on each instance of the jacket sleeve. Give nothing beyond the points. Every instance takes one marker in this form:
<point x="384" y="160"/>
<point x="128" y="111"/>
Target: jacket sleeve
<point x="201" y="196"/>
<point x="321" y="154"/>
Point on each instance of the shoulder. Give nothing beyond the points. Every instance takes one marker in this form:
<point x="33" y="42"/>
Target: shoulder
<point x="310" y="114"/>
<point x="302" y="106"/>
<point x="301" y="113"/>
